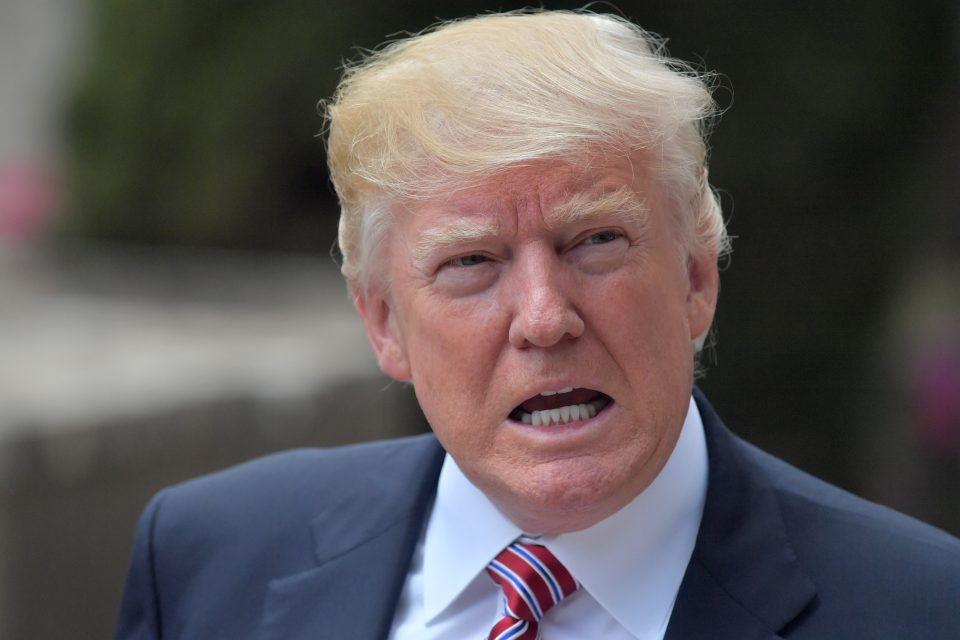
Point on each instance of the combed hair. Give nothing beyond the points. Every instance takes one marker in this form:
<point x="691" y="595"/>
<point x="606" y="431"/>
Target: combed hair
<point x="466" y="99"/>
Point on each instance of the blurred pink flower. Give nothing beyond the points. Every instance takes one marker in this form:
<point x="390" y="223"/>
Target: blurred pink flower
<point x="936" y="398"/>
<point x="27" y="201"/>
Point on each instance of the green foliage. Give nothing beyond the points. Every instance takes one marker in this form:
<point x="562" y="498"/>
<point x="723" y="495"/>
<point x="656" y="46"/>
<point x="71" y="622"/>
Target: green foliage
<point x="196" y="122"/>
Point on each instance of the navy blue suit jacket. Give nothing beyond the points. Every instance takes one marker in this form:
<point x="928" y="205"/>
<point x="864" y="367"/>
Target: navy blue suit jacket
<point x="316" y="544"/>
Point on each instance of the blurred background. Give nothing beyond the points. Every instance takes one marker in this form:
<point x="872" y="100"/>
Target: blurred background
<point x="168" y="304"/>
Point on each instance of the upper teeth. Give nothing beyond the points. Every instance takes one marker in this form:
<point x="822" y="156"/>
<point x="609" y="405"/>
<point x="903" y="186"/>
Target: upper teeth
<point x="560" y="415"/>
<point x="553" y="393"/>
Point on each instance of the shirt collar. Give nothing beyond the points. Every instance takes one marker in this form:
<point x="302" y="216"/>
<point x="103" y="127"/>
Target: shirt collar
<point x="465" y="532"/>
<point x="632" y="562"/>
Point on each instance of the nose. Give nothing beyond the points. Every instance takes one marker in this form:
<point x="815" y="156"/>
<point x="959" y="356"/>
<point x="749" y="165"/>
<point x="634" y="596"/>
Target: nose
<point x="544" y="313"/>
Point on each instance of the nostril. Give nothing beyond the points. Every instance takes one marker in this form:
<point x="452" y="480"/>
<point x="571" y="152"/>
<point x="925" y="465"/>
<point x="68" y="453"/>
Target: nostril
<point x="543" y="325"/>
<point x="545" y="329"/>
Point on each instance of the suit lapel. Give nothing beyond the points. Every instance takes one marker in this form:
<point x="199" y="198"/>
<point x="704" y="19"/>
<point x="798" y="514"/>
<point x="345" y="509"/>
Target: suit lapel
<point x="363" y="543"/>
<point x="743" y="581"/>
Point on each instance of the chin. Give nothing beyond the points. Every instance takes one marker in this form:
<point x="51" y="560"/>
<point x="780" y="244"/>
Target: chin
<point x="564" y="497"/>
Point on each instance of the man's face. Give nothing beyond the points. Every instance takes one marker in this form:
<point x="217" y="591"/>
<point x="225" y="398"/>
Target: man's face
<point x="547" y="278"/>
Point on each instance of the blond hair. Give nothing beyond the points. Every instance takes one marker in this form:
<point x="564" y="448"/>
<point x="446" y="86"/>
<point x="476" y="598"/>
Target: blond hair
<point x="446" y="108"/>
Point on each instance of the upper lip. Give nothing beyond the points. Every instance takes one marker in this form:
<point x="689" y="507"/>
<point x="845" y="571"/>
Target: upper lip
<point x="553" y="392"/>
<point x="532" y="391"/>
<point x="536" y="388"/>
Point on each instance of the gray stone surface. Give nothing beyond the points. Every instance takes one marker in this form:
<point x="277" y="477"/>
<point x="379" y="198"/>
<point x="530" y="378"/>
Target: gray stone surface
<point x="90" y="335"/>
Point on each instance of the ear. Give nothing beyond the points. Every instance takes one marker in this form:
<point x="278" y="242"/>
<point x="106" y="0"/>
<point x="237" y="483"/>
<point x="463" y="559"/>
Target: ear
<point x="380" y="322"/>
<point x="704" y="281"/>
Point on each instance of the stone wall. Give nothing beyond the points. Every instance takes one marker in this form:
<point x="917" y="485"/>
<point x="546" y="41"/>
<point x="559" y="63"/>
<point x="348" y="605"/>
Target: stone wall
<point x="69" y="500"/>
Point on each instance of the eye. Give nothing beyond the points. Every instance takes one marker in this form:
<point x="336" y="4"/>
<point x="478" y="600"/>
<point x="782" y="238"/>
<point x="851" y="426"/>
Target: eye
<point x="466" y="275"/>
<point x="598" y="252"/>
<point x="601" y="237"/>
<point x="471" y="260"/>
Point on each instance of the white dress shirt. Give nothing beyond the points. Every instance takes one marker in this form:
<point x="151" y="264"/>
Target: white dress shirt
<point x="629" y="565"/>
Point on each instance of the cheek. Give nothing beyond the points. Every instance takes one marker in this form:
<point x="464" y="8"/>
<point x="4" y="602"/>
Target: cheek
<point x="453" y="348"/>
<point x="446" y="328"/>
<point x="643" y="321"/>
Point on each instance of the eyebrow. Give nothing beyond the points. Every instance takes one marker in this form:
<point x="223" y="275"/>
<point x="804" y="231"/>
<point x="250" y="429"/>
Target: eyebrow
<point x="623" y="202"/>
<point x="459" y="231"/>
<point x="581" y="207"/>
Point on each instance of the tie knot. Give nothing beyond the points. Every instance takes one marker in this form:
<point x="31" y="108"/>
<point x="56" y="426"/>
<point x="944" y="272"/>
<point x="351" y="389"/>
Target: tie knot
<point x="532" y="580"/>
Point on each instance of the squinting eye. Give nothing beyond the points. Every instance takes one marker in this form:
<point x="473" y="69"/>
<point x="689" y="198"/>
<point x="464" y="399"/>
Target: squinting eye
<point x="468" y="261"/>
<point x="601" y="237"/>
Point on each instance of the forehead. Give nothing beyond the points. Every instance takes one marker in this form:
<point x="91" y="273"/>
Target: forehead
<point x="545" y="188"/>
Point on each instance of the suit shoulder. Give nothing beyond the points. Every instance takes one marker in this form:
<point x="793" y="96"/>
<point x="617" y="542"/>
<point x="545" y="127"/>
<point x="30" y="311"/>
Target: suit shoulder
<point x="877" y="573"/>
<point x="293" y="484"/>
<point x="206" y="549"/>
<point x="840" y="534"/>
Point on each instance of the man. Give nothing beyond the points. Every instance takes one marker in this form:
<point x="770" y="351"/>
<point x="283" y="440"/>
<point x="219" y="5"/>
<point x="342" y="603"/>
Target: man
<point x="531" y="240"/>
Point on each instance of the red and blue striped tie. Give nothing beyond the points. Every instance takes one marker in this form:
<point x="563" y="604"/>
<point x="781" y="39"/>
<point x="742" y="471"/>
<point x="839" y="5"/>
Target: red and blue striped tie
<point x="532" y="581"/>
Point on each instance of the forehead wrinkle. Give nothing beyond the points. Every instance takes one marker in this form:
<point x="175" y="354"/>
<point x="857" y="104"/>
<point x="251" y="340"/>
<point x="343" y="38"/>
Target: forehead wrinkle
<point x="459" y="231"/>
<point x="623" y="202"/>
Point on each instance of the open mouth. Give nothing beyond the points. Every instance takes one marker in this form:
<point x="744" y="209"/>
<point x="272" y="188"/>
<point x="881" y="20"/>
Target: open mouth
<point x="560" y="407"/>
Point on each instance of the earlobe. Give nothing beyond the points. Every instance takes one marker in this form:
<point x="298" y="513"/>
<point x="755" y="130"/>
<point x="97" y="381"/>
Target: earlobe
<point x="704" y="280"/>
<point x="385" y="339"/>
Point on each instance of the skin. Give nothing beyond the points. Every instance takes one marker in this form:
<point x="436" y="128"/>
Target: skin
<point x="498" y="292"/>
